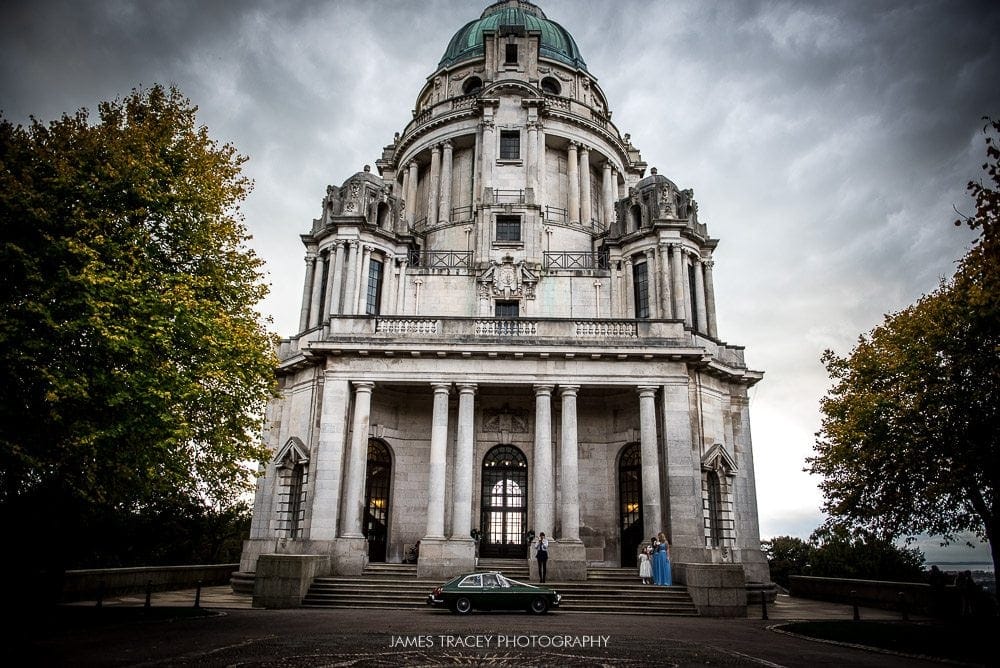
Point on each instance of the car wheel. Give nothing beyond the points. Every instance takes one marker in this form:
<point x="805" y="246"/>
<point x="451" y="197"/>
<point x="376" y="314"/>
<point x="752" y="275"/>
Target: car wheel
<point x="539" y="605"/>
<point x="463" y="605"/>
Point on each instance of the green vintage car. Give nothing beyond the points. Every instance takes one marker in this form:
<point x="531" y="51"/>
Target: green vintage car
<point x="492" y="591"/>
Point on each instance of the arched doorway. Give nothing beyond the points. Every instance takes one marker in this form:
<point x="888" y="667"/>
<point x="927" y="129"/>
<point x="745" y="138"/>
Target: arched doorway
<point x="630" y="503"/>
<point x="377" y="484"/>
<point x="504" y="503"/>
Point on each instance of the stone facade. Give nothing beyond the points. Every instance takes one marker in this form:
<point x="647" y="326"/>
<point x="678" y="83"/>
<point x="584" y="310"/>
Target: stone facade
<point x="510" y="329"/>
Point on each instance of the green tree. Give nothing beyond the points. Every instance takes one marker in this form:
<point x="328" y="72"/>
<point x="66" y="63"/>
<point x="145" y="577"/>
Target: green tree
<point x="910" y="436"/>
<point x="838" y="554"/>
<point x="134" y="365"/>
<point x="786" y="556"/>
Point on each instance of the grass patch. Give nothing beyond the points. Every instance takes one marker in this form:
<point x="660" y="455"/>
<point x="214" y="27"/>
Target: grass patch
<point x="967" y="640"/>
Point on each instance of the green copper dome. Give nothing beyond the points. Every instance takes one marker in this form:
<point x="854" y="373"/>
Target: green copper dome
<point x="555" y="42"/>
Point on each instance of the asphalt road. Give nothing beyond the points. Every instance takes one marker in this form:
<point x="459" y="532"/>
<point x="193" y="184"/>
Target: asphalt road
<point x="423" y="637"/>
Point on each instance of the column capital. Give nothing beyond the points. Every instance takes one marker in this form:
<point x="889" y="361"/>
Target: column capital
<point x="466" y="388"/>
<point x="543" y="390"/>
<point x="708" y="263"/>
<point x="436" y="148"/>
<point x="363" y="385"/>
<point x="627" y="259"/>
<point x="649" y="252"/>
<point x="404" y="260"/>
<point x="646" y="391"/>
<point x="441" y="387"/>
<point x="584" y="148"/>
<point x="354" y="243"/>
<point x="573" y="145"/>
<point x="607" y="165"/>
<point x="569" y="390"/>
<point x="446" y="144"/>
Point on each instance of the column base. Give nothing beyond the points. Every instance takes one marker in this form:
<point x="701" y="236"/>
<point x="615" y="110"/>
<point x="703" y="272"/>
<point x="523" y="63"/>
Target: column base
<point x="442" y="558"/>
<point x="350" y="556"/>
<point x="567" y="562"/>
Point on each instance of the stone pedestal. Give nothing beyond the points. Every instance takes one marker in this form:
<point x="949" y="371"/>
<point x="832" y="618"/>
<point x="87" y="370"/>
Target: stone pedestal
<point x="718" y="590"/>
<point x="350" y="556"/>
<point x="283" y="579"/>
<point x="567" y="561"/>
<point x="443" y="559"/>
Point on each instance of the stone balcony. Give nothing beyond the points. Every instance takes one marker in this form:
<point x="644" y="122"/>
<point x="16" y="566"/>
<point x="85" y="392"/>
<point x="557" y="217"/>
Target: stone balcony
<point x="566" y="338"/>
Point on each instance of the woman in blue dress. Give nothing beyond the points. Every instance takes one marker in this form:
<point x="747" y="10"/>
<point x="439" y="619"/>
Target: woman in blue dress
<point x="661" y="562"/>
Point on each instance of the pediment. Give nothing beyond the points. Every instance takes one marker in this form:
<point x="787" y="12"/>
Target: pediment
<point x="294" y="452"/>
<point x="718" y="459"/>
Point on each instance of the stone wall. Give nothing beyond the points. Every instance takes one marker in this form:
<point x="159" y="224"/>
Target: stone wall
<point x="718" y="590"/>
<point x="283" y="579"/>
<point x="918" y="598"/>
<point x="85" y="584"/>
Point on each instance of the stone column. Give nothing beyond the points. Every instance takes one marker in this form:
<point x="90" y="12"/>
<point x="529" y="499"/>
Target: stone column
<point x="573" y="174"/>
<point x="327" y="470"/>
<point x="434" y="191"/>
<point x="630" y="305"/>
<point x="544" y="494"/>
<point x="338" y="277"/>
<point x="685" y="517"/>
<point x="354" y="500"/>
<point x="586" y="206"/>
<point x="307" y="287"/>
<point x="686" y="277"/>
<point x="677" y="284"/>
<point x="653" y="521"/>
<point x="569" y="469"/>
<point x="663" y="271"/>
<point x="385" y="306"/>
<point x="444" y="214"/>
<point x="713" y="330"/>
<point x="411" y="196"/>
<point x="699" y="293"/>
<point x="401" y="287"/>
<point x="350" y="297"/>
<point x="438" y="462"/>
<point x="330" y="275"/>
<point x="404" y="194"/>
<point x="541" y="195"/>
<point x="609" y="199"/>
<point x="652" y="276"/>
<point x="363" y="280"/>
<point x="461" y="516"/>
<point x="533" y="159"/>
<point x="317" y="290"/>
<point x="489" y="151"/>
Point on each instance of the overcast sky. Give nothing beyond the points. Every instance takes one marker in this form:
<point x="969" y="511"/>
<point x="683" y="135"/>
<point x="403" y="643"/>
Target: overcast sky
<point x="827" y="143"/>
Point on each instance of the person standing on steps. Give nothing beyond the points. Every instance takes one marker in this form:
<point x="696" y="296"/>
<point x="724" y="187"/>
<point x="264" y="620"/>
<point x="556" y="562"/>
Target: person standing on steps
<point x="542" y="554"/>
<point x="645" y="569"/>
<point x="661" y="562"/>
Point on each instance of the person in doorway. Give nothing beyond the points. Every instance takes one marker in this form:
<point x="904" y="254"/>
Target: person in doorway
<point x="645" y="568"/>
<point x="542" y="554"/>
<point x="661" y="562"/>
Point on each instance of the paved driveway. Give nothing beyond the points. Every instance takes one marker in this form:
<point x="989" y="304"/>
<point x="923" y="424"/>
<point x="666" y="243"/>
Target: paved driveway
<point x="289" y="638"/>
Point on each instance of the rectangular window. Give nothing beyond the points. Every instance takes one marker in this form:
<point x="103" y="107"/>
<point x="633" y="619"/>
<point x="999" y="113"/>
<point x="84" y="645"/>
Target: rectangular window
<point x="506" y="309"/>
<point x="641" y="283"/>
<point x="508" y="228"/>
<point x="374" y="302"/>
<point x="511" y="55"/>
<point x="510" y="144"/>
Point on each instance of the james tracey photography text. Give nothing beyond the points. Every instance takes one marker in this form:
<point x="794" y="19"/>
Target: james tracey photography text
<point x="483" y="641"/>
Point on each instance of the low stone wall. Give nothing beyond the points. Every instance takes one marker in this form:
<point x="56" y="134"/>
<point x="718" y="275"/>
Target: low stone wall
<point x="87" y="584"/>
<point x="918" y="598"/>
<point x="718" y="590"/>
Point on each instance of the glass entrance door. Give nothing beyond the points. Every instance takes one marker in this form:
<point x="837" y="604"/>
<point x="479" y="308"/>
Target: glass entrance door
<point x="504" y="503"/>
<point x="377" y="481"/>
<point x="630" y="504"/>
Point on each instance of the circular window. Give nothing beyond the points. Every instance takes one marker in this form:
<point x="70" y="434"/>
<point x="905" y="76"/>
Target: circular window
<point x="472" y="85"/>
<point x="551" y="86"/>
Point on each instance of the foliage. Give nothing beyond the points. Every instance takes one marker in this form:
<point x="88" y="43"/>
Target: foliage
<point x="910" y="438"/>
<point x="832" y="552"/>
<point x="786" y="555"/>
<point x="135" y="368"/>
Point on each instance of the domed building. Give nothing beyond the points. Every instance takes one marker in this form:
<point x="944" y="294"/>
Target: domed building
<point x="509" y="329"/>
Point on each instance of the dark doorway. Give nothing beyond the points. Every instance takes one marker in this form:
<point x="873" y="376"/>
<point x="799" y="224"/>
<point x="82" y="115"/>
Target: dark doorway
<point x="630" y="503"/>
<point x="504" y="503"/>
<point x="377" y="485"/>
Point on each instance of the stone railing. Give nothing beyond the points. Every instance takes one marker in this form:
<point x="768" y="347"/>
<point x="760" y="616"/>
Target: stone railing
<point x="86" y="584"/>
<point x="443" y="259"/>
<point x="406" y="326"/>
<point x="506" y="328"/>
<point x="610" y="329"/>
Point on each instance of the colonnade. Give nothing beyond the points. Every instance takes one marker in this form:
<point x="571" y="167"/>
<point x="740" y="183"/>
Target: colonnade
<point x="345" y="267"/>
<point x="543" y="506"/>
<point x="671" y="268"/>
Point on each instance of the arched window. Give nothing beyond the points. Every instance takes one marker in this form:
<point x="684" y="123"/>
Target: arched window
<point x="718" y="469"/>
<point x="504" y="503"/>
<point x="551" y="86"/>
<point x="634" y="218"/>
<point x="630" y="503"/>
<point x="472" y="85"/>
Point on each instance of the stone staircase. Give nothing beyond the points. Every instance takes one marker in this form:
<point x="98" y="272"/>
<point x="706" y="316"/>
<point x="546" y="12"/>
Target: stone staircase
<point x="606" y="590"/>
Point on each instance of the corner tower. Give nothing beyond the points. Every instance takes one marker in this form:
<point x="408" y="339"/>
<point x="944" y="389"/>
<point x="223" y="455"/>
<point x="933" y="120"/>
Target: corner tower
<point x="510" y="329"/>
